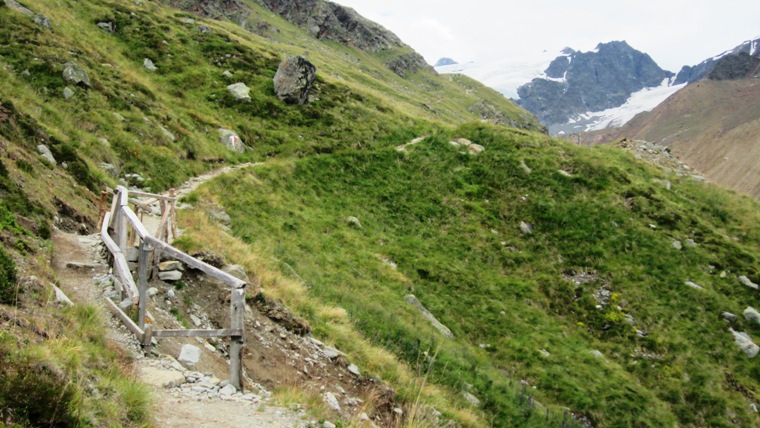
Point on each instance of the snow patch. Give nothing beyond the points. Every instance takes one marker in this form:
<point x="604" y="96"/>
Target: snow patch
<point x="641" y="101"/>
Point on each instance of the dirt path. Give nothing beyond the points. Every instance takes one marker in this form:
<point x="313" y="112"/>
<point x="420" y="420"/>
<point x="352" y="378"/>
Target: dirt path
<point x="182" y="398"/>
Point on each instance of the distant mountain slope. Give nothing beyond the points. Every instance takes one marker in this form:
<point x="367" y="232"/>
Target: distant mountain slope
<point x="713" y="125"/>
<point x="580" y="82"/>
<point x="689" y="74"/>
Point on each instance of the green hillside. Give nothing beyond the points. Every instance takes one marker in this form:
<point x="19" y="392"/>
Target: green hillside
<point x="585" y="319"/>
<point x="533" y="307"/>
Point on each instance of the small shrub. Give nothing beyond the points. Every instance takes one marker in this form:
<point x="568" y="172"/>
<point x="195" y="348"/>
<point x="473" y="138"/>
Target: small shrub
<point x="7" y="278"/>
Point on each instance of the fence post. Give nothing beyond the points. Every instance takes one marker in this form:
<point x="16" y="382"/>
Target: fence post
<point x="173" y="214"/>
<point x="142" y="283"/>
<point x="121" y="223"/>
<point x="237" y="343"/>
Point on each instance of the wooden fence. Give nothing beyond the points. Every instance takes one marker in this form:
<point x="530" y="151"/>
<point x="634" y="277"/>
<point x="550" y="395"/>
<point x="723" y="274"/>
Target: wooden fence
<point x="126" y="227"/>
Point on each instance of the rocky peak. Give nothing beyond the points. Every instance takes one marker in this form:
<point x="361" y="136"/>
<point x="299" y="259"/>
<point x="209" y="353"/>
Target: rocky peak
<point x="689" y="74"/>
<point x="579" y="82"/>
<point x="734" y="67"/>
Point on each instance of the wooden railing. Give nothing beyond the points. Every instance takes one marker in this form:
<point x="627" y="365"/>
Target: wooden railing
<point x="126" y="227"/>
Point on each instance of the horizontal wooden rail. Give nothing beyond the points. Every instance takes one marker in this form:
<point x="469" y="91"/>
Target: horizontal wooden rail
<point x="195" y="263"/>
<point x="225" y="332"/>
<point x="137" y="331"/>
<point x="121" y="267"/>
<point x="142" y="232"/>
<point x="144" y="194"/>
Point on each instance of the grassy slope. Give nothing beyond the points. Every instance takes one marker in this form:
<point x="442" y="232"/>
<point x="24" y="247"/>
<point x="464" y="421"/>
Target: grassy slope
<point x="459" y="249"/>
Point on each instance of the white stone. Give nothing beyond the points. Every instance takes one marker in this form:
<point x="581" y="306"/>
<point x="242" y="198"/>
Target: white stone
<point x="152" y="291"/>
<point x="148" y="64"/>
<point x="227" y="390"/>
<point x="169" y="265"/>
<point x="68" y="93"/>
<point x="161" y="377"/>
<point x="751" y="314"/>
<point x="526" y="228"/>
<point x="189" y="355"/>
<point x="746" y="281"/>
<point x="473" y="400"/>
<point x="231" y="140"/>
<point x="597" y="354"/>
<point x="354" y="370"/>
<point x="745" y="343"/>
<point x="677" y="245"/>
<point x="47" y="154"/>
<point x="196" y="321"/>
<point x="694" y="285"/>
<point x="173" y="275"/>
<point x="240" y="91"/>
<point x="331" y="401"/>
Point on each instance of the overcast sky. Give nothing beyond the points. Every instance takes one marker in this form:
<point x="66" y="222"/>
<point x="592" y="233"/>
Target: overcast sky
<point x="672" y="32"/>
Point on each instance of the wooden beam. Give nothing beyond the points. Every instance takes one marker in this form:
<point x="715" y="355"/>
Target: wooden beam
<point x="195" y="263"/>
<point x="237" y="343"/>
<point x="225" y="332"/>
<point x="125" y="319"/>
<point x="120" y="266"/>
<point x="151" y="195"/>
<point x="142" y="280"/>
<point x="136" y="223"/>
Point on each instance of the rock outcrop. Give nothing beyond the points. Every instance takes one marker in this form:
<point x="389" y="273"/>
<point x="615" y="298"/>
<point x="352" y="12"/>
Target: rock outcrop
<point x="580" y="82"/>
<point x="294" y="79"/>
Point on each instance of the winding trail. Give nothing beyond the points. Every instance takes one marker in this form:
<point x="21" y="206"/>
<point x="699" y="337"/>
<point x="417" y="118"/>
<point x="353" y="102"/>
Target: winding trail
<point x="84" y="281"/>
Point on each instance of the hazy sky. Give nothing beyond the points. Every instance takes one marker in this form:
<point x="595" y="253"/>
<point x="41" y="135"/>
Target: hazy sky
<point x="672" y="32"/>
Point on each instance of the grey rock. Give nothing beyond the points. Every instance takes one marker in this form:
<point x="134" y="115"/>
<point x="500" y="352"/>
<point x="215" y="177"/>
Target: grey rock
<point x="227" y="73"/>
<point x="203" y="29"/>
<point x="172" y="275"/>
<point x="109" y="169"/>
<point x="474" y="149"/>
<point x="526" y="228"/>
<point x="694" y="285"/>
<point x="42" y="21"/>
<point x="61" y="298"/>
<point x="745" y="343"/>
<point x="597" y="354"/>
<point x="218" y="215"/>
<point x="412" y="300"/>
<point x="167" y="134"/>
<point x="148" y="64"/>
<point x="525" y="167"/>
<point x="331" y="353"/>
<point x="544" y="353"/>
<point x="106" y="26"/>
<point x="690" y="243"/>
<point x="240" y="91"/>
<point x="14" y="5"/>
<point x="751" y="314"/>
<point x="677" y="245"/>
<point x="118" y="117"/>
<point x="170" y="265"/>
<point x="237" y="271"/>
<point x="354" y="222"/>
<point x="196" y="321"/>
<point x="47" y="154"/>
<point x="132" y="254"/>
<point x="74" y="74"/>
<point x="171" y="294"/>
<point x="629" y="319"/>
<point x="728" y="316"/>
<point x="189" y="355"/>
<point x="152" y="291"/>
<point x="328" y="424"/>
<point x="473" y="400"/>
<point x="231" y="140"/>
<point x="354" y="370"/>
<point x="125" y="305"/>
<point x="331" y="401"/>
<point x="187" y="21"/>
<point x="294" y="79"/>
<point x="227" y="391"/>
<point x="747" y="282"/>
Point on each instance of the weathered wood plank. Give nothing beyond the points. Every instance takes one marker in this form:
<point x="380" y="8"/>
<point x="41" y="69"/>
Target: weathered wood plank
<point x="225" y="332"/>
<point x="120" y="266"/>
<point x="136" y="223"/>
<point x="195" y="263"/>
<point x="237" y="343"/>
<point x="151" y="195"/>
<point x="125" y="319"/>
<point x="142" y="280"/>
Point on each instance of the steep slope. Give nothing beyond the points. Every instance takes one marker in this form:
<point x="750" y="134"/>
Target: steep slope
<point x="585" y="304"/>
<point x="713" y="124"/>
<point x="690" y="74"/>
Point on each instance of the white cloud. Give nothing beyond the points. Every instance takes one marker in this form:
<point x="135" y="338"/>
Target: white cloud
<point x="673" y="32"/>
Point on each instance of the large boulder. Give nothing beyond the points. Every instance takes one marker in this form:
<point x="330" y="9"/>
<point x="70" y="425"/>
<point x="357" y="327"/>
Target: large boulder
<point x="294" y="79"/>
<point x="745" y="343"/>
